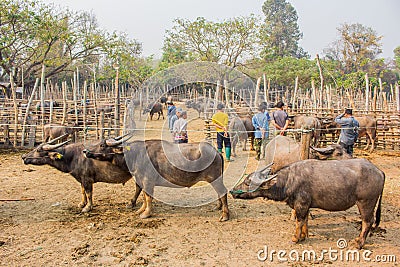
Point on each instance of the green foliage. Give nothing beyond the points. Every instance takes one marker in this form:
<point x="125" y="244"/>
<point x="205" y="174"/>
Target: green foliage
<point x="397" y="57"/>
<point x="284" y="71"/>
<point x="357" y="48"/>
<point x="280" y="34"/>
<point x="33" y="34"/>
<point x="229" y="42"/>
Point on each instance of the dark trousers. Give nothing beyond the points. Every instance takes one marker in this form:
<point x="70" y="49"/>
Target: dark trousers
<point x="347" y="148"/>
<point x="221" y="139"/>
<point x="181" y="141"/>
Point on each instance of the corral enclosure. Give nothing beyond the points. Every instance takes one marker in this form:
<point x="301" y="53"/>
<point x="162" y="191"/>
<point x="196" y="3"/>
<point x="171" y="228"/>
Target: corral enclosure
<point x="99" y="111"/>
<point x="43" y="225"/>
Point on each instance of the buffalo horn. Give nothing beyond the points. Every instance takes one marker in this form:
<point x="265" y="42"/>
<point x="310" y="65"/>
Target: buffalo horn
<point x="269" y="178"/>
<point x="324" y="151"/>
<point x="58" y="138"/>
<point x="51" y="147"/>
<point x="119" y="140"/>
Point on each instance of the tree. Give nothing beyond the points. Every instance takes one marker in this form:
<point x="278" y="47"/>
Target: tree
<point x="396" y="52"/>
<point x="229" y="42"/>
<point x="356" y="49"/>
<point x="280" y="34"/>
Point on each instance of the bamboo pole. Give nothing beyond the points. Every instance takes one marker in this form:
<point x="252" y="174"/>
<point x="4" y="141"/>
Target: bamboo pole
<point x="257" y="92"/>
<point x="366" y="93"/>
<point x="321" y="98"/>
<point x="296" y="85"/>
<point x="398" y="97"/>
<point x="27" y="111"/>
<point x="226" y="90"/>
<point x="42" y="98"/>
<point x="265" y="88"/>
<point x="14" y="99"/>
<point x="64" y="93"/>
<point x="117" y="103"/>
<point x="84" y="110"/>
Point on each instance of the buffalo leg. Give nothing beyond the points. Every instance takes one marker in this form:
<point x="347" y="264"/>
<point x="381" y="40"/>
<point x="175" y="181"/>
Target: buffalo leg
<point x="83" y="198"/>
<point x="304" y="229"/>
<point x="219" y="187"/>
<point x="89" y="194"/>
<point x="368" y="141"/>
<point x="138" y="190"/>
<point x="144" y="205"/>
<point x="301" y="209"/>
<point x="367" y="216"/>
<point x="147" y="212"/>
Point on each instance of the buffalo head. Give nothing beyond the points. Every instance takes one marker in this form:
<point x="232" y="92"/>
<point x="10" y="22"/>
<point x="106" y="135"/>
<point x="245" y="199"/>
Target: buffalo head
<point x="251" y="186"/>
<point x="333" y="151"/>
<point x="45" y="152"/>
<point x="105" y="150"/>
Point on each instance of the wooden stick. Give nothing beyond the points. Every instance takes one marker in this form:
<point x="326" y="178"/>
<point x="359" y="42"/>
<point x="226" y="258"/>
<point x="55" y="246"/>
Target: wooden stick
<point x="19" y="199"/>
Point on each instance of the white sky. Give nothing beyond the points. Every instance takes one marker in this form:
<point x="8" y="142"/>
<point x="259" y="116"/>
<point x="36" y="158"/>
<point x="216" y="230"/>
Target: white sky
<point x="147" y="20"/>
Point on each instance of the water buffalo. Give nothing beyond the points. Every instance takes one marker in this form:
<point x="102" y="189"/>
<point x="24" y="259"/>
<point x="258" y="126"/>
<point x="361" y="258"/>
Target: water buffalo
<point x="153" y="109"/>
<point x="70" y="159"/>
<point x="202" y="105"/>
<point x="308" y="122"/>
<point x="333" y="185"/>
<point x="183" y="166"/>
<point x="53" y="130"/>
<point x="240" y="129"/>
<point x="283" y="150"/>
<point x="368" y="127"/>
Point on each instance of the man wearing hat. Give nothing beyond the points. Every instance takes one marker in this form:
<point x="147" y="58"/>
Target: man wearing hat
<point x="349" y="132"/>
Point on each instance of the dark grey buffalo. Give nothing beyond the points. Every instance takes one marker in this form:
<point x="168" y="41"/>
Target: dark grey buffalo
<point x="70" y="159"/>
<point x="201" y="105"/>
<point x="333" y="185"/>
<point x="240" y="129"/>
<point x="154" y="108"/>
<point x="162" y="163"/>
<point x="54" y="130"/>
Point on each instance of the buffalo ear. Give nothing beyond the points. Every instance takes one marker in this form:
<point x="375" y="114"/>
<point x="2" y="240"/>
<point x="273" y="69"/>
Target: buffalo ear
<point x="55" y="156"/>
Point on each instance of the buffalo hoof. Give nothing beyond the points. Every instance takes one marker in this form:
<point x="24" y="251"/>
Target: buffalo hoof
<point x="145" y="215"/>
<point x="82" y="205"/>
<point x="359" y="242"/>
<point x="86" y="209"/>
<point x="297" y="240"/>
<point x="224" y="218"/>
<point x="130" y="205"/>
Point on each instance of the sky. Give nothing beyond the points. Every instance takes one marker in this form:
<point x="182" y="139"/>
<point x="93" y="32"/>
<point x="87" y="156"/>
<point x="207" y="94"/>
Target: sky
<point x="147" y="20"/>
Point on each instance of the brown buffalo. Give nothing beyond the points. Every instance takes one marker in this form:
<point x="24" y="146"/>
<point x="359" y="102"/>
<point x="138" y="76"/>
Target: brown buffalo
<point x="54" y="130"/>
<point x="308" y="123"/>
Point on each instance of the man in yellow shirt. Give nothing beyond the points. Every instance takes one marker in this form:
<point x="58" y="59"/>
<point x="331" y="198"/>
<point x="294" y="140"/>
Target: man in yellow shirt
<point x="220" y="121"/>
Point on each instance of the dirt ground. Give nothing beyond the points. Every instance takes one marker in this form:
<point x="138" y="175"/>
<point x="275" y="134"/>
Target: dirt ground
<point x="44" y="227"/>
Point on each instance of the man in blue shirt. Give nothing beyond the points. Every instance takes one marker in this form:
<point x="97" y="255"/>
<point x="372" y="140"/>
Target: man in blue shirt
<point x="260" y="123"/>
<point x="349" y="133"/>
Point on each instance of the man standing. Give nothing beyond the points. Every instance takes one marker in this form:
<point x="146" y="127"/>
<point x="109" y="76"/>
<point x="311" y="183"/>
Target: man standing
<point x="280" y="119"/>
<point x="180" y="128"/>
<point x="349" y="132"/>
<point x="220" y="121"/>
<point x="260" y="123"/>
<point x="171" y="112"/>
